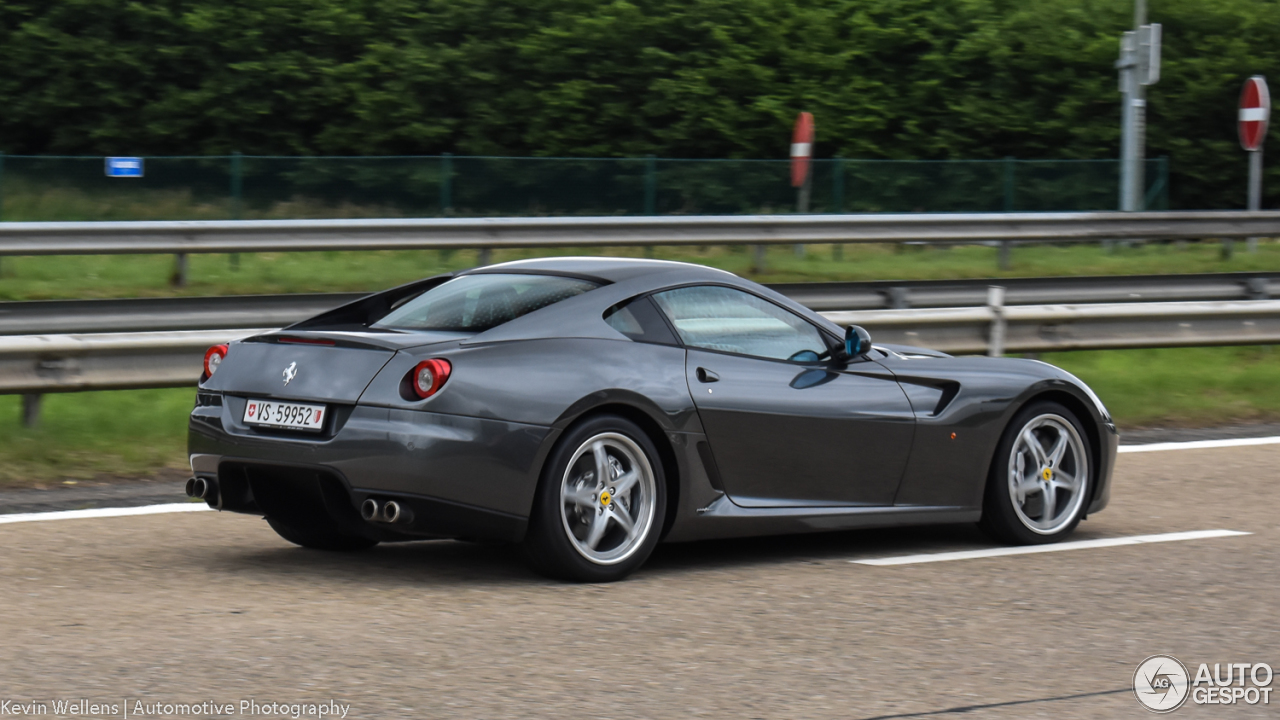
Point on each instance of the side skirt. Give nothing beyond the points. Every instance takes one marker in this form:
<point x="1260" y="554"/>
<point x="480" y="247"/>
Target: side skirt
<point x="723" y="519"/>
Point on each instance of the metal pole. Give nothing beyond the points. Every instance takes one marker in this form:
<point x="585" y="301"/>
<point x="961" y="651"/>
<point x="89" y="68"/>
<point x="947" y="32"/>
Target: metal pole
<point x="1255" y="190"/>
<point x="1138" y="116"/>
<point x="237" y="192"/>
<point x="1" y="204"/>
<point x="802" y="201"/>
<point x="179" y="277"/>
<point x="1133" y="114"/>
<point x="31" y="409"/>
<point x="1127" y="65"/>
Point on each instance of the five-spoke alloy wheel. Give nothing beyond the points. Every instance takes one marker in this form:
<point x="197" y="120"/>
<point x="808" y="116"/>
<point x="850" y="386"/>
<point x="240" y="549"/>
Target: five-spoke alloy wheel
<point x="1039" y="485"/>
<point x="600" y="502"/>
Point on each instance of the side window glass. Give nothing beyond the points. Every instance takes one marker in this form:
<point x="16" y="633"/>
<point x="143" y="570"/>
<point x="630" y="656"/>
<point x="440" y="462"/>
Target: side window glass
<point x="639" y="320"/>
<point x="729" y="320"/>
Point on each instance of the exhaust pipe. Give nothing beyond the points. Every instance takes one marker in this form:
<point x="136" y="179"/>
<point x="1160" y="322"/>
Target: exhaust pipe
<point x="389" y="512"/>
<point x="198" y="487"/>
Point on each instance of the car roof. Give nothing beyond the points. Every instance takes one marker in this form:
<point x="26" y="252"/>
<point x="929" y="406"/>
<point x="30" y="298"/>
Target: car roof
<point x="612" y="269"/>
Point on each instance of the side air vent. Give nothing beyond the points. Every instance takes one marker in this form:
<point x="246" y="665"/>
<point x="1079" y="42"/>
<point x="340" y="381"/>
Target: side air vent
<point x="709" y="462"/>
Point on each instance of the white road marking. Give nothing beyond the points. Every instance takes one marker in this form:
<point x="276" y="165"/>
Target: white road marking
<point x="104" y="512"/>
<point x="1200" y="444"/>
<point x="1055" y="547"/>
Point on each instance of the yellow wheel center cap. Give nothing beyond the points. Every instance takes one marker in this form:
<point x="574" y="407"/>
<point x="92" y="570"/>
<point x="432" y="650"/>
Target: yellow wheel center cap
<point x="1048" y="474"/>
<point x="605" y="498"/>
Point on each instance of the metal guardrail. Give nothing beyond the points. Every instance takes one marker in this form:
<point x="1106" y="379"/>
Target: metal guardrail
<point x="997" y="329"/>
<point x="59" y="363"/>
<point x="156" y="314"/>
<point x="232" y="236"/>
<point x="210" y="313"/>
<point x="106" y="361"/>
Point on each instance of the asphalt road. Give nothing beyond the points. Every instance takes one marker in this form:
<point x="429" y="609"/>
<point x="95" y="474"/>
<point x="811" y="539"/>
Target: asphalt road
<point x="196" y="607"/>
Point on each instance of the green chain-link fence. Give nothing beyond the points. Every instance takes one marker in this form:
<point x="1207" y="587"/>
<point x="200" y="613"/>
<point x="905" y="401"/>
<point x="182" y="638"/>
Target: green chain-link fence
<point x="34" y="188"/>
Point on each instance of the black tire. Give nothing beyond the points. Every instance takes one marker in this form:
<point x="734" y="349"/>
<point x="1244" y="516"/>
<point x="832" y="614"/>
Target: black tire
<point x="551" y="543"/>
<point x="1010" y="521"/>
<point x="319" y="536"/>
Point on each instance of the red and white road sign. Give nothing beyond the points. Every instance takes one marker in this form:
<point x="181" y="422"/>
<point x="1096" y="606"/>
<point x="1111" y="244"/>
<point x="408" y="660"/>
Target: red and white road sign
<point x="801" y="149"/>
<point x="1255" y="113"/>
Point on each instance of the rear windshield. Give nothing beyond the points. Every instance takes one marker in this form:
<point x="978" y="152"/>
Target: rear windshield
<point x="475" y="303"/>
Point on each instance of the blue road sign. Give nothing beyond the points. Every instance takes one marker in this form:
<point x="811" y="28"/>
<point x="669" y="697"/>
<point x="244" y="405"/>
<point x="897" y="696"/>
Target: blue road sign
<point x="124" y="167"/>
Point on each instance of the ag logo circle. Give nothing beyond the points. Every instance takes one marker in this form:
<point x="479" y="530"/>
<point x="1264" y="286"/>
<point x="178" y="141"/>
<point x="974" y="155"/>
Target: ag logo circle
<point x="1161" y="683"/>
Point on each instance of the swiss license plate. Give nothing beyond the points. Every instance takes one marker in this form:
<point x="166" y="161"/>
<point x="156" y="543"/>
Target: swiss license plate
<point x="270" y="413"/>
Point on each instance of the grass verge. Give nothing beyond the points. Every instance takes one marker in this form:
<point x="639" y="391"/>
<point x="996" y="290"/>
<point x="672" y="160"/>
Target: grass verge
<point x="143" y="432"/>
<point x="67" y="277"/>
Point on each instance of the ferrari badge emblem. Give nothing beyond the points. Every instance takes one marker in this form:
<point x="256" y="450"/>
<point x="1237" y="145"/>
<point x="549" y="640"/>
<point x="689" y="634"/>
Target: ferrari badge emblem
<point x="290" y="373"/>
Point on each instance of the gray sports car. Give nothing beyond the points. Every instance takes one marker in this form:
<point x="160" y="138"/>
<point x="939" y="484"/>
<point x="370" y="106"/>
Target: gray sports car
<point x="589" y="408"/>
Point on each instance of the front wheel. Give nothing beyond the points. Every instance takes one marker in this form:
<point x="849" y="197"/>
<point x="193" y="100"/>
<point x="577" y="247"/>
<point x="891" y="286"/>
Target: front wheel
<point x="598" y="510"/>
<point x="1040" y="480"/>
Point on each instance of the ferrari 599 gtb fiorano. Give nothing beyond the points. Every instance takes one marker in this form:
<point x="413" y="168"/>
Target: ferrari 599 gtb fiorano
<point x="590" y="408"/>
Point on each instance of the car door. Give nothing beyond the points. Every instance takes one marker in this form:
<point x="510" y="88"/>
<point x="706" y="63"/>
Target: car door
<point x="785" y="427"/>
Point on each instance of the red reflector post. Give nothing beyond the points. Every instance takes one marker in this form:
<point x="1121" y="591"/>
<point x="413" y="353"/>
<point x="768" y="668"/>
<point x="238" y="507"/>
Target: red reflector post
<point x="213" y="358"/>
<point x="429" y="376"/>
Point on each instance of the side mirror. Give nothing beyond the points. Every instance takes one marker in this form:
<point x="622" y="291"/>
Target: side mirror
<point x="856" y="341"/>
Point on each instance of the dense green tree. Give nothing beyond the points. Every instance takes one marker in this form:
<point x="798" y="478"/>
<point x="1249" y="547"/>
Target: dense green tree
<point x="690" y="78"/>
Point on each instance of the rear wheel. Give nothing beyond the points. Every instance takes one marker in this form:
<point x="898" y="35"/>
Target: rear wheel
<point x="1040" y="479"/>
<point x="598" y="510"/>
<point x="318" y="536"/>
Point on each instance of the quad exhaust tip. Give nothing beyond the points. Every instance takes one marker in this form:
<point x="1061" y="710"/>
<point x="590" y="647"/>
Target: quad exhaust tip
<point x="391" y="511"/>
<point x="370" y="510"/>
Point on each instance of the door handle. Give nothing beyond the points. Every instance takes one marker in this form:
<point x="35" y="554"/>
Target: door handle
<point x="706" y="376"/>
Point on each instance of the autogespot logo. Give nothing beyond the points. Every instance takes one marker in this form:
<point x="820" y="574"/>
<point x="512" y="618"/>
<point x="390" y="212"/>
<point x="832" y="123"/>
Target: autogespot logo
<point x="1161" y="683"/>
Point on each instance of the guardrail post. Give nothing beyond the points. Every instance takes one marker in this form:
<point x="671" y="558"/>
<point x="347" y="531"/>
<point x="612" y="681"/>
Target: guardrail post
<point x="31" y="409"/>
<point x="1258" y="289"/>
<point x="179" y="276"/>
<point x="757" y="258"/>
<point x="995" y="303"/>
<point x="899" y="298"/>
<point x="237" y="199"/>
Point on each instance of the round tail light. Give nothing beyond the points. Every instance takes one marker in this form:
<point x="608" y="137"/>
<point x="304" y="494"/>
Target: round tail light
<point x="429" y="376"/>
<point x="213" y="357"/>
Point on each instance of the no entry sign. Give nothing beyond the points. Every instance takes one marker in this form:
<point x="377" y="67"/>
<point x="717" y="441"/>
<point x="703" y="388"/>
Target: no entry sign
<point x="1255" y="113"/>
<point x="801" y="149"/>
